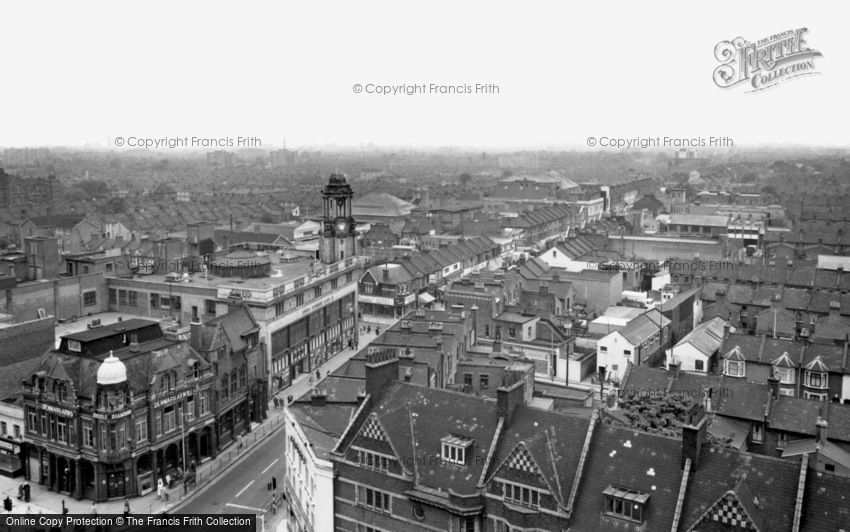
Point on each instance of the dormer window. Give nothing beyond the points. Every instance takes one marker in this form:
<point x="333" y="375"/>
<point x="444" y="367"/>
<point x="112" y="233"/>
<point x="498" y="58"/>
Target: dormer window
<point x="735" y="368"/>
<point x="817" y="379"/>
<point x="74" y="345"/>
<point x="625" y="504"/>
<point x="455" y="449"/>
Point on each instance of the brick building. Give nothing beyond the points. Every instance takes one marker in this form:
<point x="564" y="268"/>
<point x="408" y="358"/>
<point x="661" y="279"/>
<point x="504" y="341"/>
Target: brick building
<point x="424" y="459"/>
<point x="116" y="409"/>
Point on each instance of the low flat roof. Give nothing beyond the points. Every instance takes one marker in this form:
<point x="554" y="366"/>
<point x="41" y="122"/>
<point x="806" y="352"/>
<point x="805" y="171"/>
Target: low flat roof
<point x="515" y="318"/>
<point x="72" y="328"/>
<point x="281" y="273"/>
<point x="102" y="331"/>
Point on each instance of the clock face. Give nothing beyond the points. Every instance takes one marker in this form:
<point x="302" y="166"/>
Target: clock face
<point x="341" y="226"/>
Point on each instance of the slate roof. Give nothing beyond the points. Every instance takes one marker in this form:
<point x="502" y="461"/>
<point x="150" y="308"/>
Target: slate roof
<point x="772" y="481"/>
<point x="643" y="327"/>
<point x="380" y="204"/>
<point x="706" y="337"/>
<point x="235" y="325"/>
<point x="416" y="419"/>
<point x="831" y="327"/>
<point x="634" y="460"/>
<point x="785" y="320"/>
<point x="795" y="414"/>
<point x="743" y="400"/>
<point x="826" y="502"/>
<point x="555" y="448"/>
<point x="142" y="365"/>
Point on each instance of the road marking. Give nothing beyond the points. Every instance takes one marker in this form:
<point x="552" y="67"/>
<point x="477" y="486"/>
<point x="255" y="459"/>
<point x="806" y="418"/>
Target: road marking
<point x="270" y="466"/>
<point x="245" y="507"/>
<point x="243" y="489"/>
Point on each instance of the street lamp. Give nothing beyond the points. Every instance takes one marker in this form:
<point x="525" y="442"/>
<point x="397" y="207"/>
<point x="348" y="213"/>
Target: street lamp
<point x="183" y="436"/>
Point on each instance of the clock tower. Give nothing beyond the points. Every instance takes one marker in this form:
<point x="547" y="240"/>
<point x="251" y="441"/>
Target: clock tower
<point x="338" y="239"/>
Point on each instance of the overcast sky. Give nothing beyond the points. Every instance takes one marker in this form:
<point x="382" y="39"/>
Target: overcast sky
<point x="78" y="73"/>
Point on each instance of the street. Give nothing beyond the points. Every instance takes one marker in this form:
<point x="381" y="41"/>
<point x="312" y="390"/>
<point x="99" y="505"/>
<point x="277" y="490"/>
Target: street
<point x="243" y="489"/>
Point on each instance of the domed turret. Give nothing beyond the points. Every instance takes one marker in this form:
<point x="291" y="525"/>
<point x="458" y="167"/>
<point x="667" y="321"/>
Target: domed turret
<point x="111" y="371"/>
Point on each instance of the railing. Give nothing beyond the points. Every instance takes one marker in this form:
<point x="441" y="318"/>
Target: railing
<point x="180" y="492"/>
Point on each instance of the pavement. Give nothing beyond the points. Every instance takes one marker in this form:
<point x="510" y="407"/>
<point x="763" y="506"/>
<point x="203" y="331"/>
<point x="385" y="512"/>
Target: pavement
<point x="231" y="489"/>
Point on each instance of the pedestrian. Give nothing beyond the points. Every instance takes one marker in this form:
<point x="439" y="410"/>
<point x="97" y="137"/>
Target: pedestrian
<point x="318" y="375"/>
<point x="20" y="491"/>
<point x="274" y="503"/>
<point x="377" y="331"/>
<point x="369" y="329"/>
<point x="64" y="508"/>
<point x="93" y="508"/>
<point x="126" y="507"/>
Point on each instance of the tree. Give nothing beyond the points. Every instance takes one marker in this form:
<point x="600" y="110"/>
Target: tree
<point x="115" y="205"/>
<point x="92" y="188"/>
<point x="465" y="178"/>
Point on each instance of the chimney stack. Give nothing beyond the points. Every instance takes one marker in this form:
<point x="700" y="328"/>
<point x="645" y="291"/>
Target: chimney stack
<point x="693" y="436"/>
<point x="673" y="369"/>
<point x="834" y="308"/>
<point x="773" y="386"/>
<point x="386" y="274"/>
<point x="509" y="396"/>
<point x="381" y="371"/>
<point x="195" y="334"/>
<point x="822" y="428"/>
<point x="318" y="399"/>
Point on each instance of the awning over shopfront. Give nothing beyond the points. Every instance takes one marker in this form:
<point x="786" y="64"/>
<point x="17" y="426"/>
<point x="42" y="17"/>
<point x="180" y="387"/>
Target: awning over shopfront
<point x="426" y="298"/>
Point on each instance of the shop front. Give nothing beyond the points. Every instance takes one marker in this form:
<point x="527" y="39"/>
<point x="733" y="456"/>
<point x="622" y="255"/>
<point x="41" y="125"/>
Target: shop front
<point x="11" y="464"/>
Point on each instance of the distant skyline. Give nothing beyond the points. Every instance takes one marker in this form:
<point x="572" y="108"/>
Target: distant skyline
<point x="78" y="74"/>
